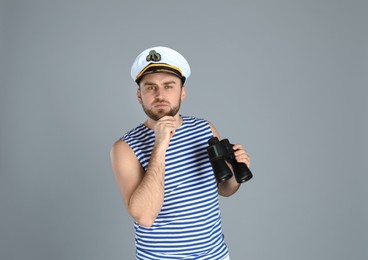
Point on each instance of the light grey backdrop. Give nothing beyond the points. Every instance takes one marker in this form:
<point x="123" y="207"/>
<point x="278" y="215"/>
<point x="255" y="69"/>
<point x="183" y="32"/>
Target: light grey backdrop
<point x="287" y="79"/>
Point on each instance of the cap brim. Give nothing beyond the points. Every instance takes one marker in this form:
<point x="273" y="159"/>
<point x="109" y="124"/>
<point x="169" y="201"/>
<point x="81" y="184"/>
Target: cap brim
<point x="160" y="67"/>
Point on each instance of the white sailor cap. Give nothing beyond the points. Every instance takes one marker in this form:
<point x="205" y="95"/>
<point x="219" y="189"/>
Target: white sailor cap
<point x="160" y="59"/>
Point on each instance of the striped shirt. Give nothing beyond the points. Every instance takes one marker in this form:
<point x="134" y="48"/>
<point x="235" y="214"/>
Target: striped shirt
<point x="189" y="223"/>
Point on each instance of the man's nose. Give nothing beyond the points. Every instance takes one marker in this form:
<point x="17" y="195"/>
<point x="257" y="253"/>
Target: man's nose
<point x="158" y="93"/>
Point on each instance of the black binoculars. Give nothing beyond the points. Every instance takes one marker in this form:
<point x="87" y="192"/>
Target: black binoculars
<point x="221" y="152"/>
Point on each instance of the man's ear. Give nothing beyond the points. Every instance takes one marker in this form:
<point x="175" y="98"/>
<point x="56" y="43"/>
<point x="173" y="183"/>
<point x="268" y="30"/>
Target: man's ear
<point x="139" y="96"/>
<point x="183" y="93"/>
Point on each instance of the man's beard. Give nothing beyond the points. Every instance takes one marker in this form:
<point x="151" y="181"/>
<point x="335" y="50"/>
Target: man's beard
<point x="161" y="112"/>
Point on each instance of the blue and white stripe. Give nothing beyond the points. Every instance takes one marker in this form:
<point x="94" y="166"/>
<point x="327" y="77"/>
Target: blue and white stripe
<point x="189" y="223"/>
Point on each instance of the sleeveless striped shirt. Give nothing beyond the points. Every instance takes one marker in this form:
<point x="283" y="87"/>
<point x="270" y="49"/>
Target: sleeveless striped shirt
<point x="189" y="223"/>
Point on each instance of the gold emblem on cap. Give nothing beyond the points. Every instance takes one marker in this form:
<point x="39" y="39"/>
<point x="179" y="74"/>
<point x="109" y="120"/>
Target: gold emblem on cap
<point x="153" y="56"/>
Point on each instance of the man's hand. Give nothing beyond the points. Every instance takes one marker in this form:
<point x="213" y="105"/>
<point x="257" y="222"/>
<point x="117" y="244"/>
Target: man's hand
<point x="241" y="155"/>
<point x="165" y="129"/>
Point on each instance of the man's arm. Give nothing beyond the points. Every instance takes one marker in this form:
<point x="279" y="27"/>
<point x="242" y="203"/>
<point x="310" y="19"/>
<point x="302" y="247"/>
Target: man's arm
<point x="230" y="186"/>
<point x="143" y="192"/>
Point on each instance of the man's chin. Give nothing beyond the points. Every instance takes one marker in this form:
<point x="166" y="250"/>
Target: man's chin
<point x="160" y="113"/>
<point x="157" y="116"/>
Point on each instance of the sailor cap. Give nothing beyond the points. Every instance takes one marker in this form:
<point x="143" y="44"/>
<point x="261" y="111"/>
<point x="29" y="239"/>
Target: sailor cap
<point x="160" y="59"/>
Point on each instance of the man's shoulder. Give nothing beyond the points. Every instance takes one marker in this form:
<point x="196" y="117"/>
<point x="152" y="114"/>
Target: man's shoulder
<point x="198" y="124"/>
<point x="136" y="132"/>
<point x="194" y="119"/>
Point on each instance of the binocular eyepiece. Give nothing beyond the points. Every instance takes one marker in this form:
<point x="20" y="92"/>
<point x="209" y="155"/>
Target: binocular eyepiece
<point x="221" y="152"/>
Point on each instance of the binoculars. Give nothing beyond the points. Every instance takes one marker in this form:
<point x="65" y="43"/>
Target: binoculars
<point x="220" y="152"/>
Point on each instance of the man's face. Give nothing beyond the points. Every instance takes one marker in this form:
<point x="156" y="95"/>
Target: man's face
<point x="160" y="94"/>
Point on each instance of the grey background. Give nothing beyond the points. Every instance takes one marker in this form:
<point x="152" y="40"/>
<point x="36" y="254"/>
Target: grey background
<point x="287" y="79"/>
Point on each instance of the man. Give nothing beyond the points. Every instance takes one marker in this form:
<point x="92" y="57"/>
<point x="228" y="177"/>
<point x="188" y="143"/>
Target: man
<point x="163" y="171"/>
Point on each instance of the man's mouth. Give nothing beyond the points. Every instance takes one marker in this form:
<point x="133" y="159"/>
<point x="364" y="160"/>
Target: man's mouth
<point x="160" y="104"/>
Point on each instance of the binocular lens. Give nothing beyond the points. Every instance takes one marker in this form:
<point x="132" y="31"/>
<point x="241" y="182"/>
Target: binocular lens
<point x="221" y="170"/>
